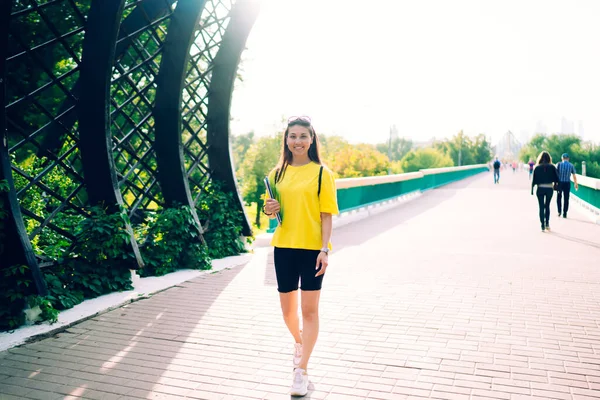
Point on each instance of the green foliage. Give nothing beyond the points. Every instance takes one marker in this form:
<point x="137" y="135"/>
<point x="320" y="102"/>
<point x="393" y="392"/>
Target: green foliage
<point x="15" y="282"/>
<point x="3" y="213"/>
<point x="46" y="309"/>
<point x="397" y="148"/>
<point x="470" y="151"/>
<point x="557" y="144"/>
<point x="15" y="287"/>
<point x="424" y="158"/>
<point x="348" y="160"/>
<point x="481" y="150"/>
<point x="173" y="242"/>
<point x="330" y="146"/>
<point x="53" y="59"/>
<point x="396" y="167"/>
<point x="258" y="161"/>
<point x="48" y="242"/>
<point x="61" y="286"/>
<point x="359" y="160"/>
<point x="221" y="220"/>
<point x="240" y="144"/>
<point x="99" y="261"/>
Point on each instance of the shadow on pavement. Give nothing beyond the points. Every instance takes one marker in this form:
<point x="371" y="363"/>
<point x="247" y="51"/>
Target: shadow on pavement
<point x="354" y="234"/>
<point x="582" y="221"/>
<point x="576" y="240"/>
<point x="153" y="347"/>
<point x="357" y="233"/>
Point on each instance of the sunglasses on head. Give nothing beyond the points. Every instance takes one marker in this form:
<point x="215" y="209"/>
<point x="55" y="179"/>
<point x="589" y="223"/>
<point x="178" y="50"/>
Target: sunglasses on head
<point x="303" y="118"/>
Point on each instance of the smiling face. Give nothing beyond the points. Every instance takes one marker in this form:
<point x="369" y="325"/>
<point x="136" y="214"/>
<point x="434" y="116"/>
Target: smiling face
<point x="299" y="140"/>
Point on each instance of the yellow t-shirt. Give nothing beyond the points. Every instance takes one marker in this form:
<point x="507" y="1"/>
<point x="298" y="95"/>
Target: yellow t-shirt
<point x="301" y="206"/>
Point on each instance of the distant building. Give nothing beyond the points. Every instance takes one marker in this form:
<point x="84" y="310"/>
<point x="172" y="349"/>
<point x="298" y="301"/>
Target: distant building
<point x="566" y="126"/>
<point x="540" y="127"/>
<point x="524" y="136"/>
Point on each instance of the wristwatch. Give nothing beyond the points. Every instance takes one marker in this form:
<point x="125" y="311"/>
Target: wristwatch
<point x="325" y="250"/>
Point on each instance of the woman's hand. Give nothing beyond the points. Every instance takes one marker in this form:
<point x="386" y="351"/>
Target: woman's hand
<point x="323" y="262"/>
<point x="272" y="206"/>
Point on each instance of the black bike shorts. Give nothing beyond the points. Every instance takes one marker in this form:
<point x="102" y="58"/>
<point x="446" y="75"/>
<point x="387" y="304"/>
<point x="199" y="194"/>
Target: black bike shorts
<point x="293" y="265"/>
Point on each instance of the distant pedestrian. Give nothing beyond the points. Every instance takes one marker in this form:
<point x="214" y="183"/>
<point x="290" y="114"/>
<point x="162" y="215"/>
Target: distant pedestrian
<point x="544" y="176"/>
<point x="306" y="199"/>
<point x="531" y="165"/>
<point x="497" y="165"/>
<point x="565" y="171"/>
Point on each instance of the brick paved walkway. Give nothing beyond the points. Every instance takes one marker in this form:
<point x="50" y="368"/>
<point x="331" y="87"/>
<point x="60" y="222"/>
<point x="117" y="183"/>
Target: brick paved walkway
<point x="456" y="295"/>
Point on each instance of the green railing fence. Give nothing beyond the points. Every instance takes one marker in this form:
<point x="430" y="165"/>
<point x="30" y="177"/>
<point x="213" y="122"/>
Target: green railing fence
<point x="589" y="190"/>
<point x="355" y="193"/>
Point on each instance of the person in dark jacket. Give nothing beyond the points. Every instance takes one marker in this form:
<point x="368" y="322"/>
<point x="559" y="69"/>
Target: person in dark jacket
<point x="497" y="165"/>
<point x="544" y="176"/>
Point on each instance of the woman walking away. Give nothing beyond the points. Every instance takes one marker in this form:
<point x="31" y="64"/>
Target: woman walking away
<point x="544" y="176"/>
<point x="305" y="197"/>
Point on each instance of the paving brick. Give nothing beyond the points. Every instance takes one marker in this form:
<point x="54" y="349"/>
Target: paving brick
<point x="14" y="390"/>
<point x="38" y="394"/>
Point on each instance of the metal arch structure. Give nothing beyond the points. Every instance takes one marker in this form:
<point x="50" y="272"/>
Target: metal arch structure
<point x="98" y="53"/>
<point x="220" y="93"/>
<point x="169" y="155"/>
<point x="125" y="101"/>
<point x="15" y="247"/>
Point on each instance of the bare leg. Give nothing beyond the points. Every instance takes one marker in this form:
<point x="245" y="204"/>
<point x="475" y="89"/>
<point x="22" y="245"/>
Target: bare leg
<point x="289" y="307"/>
<point x="310" y="319"/>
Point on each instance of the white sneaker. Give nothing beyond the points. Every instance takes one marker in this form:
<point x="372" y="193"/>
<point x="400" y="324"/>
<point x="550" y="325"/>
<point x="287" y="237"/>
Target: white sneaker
<point x="300" y="383"/>
<point x="297" y="354"/>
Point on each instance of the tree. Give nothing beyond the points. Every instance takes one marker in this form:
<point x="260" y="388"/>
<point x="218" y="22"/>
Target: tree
<point x="425" y="158"/>
<point x="331" y="145"/>
<point x="557" y="144"/>
<point x="464" y="150"/>
<point x="240" y="144"/>
<point x="396" y="167"/>
<point x="359" y="160"/>
<point x="258" y="161"/>
<point x="482" y="151"/>
<point x="396" y="149"/>
<point x="458" y="148"/>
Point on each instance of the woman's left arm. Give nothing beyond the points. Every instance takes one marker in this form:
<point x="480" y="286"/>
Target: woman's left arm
<point x="326" y="230"/>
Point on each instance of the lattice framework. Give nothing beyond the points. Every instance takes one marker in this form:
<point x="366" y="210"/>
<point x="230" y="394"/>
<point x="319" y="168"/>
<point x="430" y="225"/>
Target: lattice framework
<point x="44" y="63"/>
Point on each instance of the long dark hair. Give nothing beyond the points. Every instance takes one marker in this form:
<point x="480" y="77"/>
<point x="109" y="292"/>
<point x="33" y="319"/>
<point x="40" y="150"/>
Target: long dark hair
<point x="286" y="155"/>
<point x="544" y="158"/>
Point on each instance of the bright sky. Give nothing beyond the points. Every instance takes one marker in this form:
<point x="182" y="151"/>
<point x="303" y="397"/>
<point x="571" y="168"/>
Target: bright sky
<point x="431" y="67"/>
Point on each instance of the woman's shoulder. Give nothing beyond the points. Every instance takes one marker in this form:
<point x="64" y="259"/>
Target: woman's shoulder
<point x="326" y="170"/>
<point x="273" y="173"/>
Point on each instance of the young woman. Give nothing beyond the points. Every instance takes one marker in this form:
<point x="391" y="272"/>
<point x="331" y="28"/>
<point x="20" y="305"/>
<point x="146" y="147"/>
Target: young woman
<point x="305" y="197"/>
<point x="544" y="176"/>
